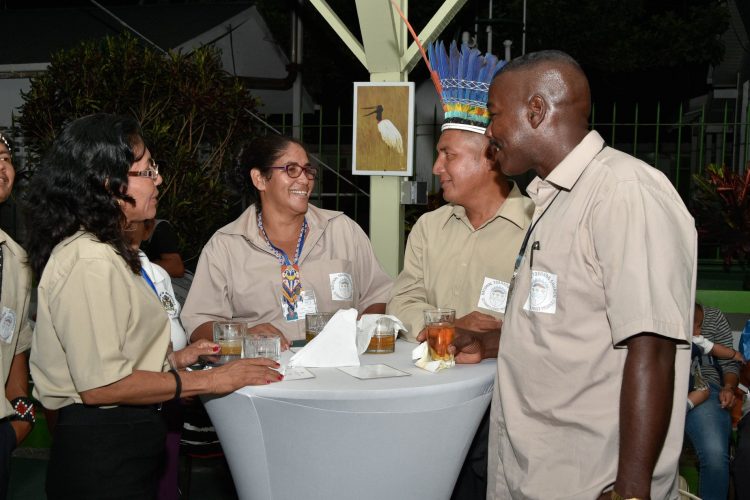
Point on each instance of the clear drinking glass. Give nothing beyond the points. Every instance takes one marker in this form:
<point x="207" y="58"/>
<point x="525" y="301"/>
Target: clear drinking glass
<point x="441" y="330"/>
<point x="262" y="346"/>
<point x="384" y="339"/>
<point x="229" y="334"/>
<point x="314" y="324"/>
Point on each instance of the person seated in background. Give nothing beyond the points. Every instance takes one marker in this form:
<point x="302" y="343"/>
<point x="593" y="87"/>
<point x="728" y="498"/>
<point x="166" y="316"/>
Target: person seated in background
<point x="698" y="391"/>
<point x="17" y="412"/>
<point x="161" y="246"/>
<point x="283" y="258"/>
<point x="461" y="255"/>
<point x="709" y="425"/>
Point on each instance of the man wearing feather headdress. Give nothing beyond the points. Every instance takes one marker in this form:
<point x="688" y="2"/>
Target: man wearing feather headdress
<point x="461" y="255"/>
<point x="589" y="400"/>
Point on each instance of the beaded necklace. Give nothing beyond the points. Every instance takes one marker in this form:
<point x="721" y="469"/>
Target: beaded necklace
<point x="291" y="286"/>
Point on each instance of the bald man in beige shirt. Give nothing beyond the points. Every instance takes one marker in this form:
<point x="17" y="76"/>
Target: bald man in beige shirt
<point x="592" y="372"/>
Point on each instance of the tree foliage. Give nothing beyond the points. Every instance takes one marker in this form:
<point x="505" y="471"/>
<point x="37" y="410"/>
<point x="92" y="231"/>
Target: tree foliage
<point x="192" y="113"/>
<point x="626" y="35"/>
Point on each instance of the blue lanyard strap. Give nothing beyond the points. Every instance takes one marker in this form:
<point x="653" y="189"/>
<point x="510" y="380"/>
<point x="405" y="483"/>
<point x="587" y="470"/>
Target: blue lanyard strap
<point x="280" y="254"/>
<point x="148" y="280"/>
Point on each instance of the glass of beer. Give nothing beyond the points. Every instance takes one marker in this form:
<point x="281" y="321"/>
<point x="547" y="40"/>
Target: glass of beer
<point x="384" y="338"/>
<point x="314" y="324"/>
<point x="441" y="330"/>
<point x="229" y="334"/>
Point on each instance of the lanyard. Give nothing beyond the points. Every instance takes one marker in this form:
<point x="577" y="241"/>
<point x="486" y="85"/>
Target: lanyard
<point x="526" y="238"/>
<point x="525" y="243"/>
<point x="279" y="253"/>
<point x="148" y="280"/>
<point x="291" y="286"/>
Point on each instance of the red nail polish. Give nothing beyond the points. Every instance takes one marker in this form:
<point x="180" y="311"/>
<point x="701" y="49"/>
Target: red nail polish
<point x="216" y="348"/>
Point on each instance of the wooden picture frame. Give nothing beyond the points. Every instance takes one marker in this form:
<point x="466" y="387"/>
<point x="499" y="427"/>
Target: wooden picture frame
<point x="383" y="128"/>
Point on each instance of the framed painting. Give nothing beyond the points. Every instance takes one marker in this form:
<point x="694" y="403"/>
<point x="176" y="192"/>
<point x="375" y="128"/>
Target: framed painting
<point x="383" y="128"/>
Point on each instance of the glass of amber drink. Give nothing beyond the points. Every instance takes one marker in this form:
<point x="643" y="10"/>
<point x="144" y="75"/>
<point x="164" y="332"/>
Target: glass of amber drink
<point x="441" y="330"/>
<point x="229" y="334"/>
<point x="315" y="322"/>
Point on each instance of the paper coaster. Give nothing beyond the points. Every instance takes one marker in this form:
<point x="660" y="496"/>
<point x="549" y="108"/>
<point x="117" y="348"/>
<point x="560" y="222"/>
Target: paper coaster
<point x="373" y="371"/>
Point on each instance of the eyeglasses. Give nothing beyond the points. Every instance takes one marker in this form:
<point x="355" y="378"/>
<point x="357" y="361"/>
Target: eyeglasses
<point x="151" y="171"/>
<point x="294" y="170"/>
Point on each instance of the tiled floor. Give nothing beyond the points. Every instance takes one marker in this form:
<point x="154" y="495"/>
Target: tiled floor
<point x="210" y="478"/>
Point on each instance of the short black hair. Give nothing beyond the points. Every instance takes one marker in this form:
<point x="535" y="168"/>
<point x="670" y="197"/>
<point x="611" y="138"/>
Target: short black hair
<point x="262" y="153"/>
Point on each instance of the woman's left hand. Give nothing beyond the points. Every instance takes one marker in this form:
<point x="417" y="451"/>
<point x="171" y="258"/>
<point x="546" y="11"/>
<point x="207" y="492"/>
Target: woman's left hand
<point x="189" y="355"/>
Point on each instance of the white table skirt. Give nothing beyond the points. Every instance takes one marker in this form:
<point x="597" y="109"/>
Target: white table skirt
<point x="338" y="437"/>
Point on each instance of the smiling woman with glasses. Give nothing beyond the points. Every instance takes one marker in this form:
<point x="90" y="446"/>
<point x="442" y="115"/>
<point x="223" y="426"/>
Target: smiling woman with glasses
<point x="101" y="351"/>
<point x="283" y="258"/>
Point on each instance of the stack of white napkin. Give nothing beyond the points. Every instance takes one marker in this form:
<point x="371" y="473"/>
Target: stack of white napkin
<point x="334" y="346"/>
<point x="343" y="339"/>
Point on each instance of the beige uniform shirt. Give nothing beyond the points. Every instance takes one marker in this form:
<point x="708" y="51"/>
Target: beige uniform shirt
<point x="239" y="277"/>
<point x="15" y="332"/>
<point x="97" y="322"/>
<point x="448" y="263"/>
<point x="616" y="256"/>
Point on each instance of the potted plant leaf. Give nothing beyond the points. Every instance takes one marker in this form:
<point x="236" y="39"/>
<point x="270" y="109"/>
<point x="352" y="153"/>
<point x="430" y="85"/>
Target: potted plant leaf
<point x="721" y="206"/>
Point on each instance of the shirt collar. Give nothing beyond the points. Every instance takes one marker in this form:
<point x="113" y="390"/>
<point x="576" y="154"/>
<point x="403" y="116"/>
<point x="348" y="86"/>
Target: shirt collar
<point x="568" y="171"/>
<point x="513" y="209"/>
<point x="246" y="225"/>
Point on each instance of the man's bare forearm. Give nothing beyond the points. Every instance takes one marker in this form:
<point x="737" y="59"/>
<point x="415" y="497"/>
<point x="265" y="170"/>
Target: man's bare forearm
<point x="645" y="410"/>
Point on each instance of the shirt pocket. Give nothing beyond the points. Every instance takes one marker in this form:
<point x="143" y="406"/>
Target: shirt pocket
<point x="333" y="282"/>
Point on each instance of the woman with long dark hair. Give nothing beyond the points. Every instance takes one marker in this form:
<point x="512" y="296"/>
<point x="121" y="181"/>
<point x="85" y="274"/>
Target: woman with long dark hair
<point x="101" y="350"/>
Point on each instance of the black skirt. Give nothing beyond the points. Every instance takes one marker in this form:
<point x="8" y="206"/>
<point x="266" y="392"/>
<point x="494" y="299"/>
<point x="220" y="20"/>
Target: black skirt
<point x="112" y="453"/>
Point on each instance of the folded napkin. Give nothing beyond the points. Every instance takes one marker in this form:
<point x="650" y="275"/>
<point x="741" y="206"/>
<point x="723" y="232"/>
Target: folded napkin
<point x="335" y="345"/>
<point x="421" y="354"/>
<point x="371" y="323"/>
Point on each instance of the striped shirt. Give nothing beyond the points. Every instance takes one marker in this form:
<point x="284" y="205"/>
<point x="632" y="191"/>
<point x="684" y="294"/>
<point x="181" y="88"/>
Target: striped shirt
<point x="716" y="328"/>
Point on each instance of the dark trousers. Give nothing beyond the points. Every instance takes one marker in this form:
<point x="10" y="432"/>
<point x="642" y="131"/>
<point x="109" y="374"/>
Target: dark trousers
<point x="472" y="480"/>
<point x="741" y="462"/>
<point x="7" y="445"/>
<point x="98" y="453"/>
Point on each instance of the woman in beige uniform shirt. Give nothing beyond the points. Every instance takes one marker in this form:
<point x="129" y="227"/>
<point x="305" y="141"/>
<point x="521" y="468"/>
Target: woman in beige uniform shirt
<point x="283" y="257"/>
<point x="101" y="348"/>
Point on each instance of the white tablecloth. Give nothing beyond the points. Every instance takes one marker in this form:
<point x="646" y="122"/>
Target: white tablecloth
<point x="338" y="437"/>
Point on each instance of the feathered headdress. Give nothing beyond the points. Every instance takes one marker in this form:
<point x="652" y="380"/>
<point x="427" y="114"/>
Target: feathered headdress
<point x="5" y="141"/>
<point x="465" y="78"/>
<point x="462" y="80"/>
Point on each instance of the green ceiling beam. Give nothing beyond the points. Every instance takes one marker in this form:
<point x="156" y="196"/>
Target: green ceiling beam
<point x="431" y="32"/>
<point x="341" y="30"/>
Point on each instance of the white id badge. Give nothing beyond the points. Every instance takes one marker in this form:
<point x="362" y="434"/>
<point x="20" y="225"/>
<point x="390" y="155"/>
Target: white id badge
<point x="306" y="304"/>
<point x="7" y="324"/>
<point x="494" y="295"/>
<point x="341" y="286"/>
<point x="543" y="293"/>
